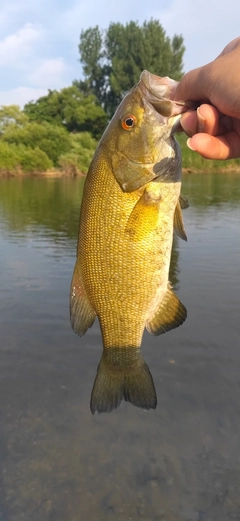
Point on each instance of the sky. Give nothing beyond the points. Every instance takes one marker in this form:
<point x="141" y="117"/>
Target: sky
<point x="39" y="39"/>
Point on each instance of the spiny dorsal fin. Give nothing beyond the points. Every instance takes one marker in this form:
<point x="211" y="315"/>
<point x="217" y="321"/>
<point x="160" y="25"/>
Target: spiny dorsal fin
<point x="82" y="315"/>
<point x="170" y="314"/>
<point x="178" y="223"/>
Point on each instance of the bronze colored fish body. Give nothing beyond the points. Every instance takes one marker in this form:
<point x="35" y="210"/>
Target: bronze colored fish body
<point x="129" y="208"/>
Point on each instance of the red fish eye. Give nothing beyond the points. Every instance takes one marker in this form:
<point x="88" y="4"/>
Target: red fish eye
<point x="128" y="122"/>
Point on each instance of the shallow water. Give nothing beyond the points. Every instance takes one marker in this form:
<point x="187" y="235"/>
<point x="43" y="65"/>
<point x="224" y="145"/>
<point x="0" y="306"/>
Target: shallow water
<point x="180" y="462"/>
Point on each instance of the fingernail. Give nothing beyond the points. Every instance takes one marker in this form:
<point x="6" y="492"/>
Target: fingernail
<point x="201" y="121"/>
<point x="190" y="145"/>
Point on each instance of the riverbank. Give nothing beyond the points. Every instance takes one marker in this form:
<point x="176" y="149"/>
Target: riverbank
<point x="221" y="168"/>
<point x="52" y="172"/>
<point x="192" y="163"/>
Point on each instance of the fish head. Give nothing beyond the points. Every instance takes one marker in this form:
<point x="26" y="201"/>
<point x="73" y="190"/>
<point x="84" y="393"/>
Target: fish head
<point x="139" y="140"/>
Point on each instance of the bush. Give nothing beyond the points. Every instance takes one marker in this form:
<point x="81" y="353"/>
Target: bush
<point x="51" y="139"/>
<point x="9" y="157"/>
<point x="34" y="160"/>
<point x="83" y="146"/>
<point x="19" y="158"/>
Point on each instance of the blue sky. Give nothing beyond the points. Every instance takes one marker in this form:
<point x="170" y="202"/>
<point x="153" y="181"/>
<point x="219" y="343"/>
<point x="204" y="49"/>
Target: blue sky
<point x="39" y="39"/>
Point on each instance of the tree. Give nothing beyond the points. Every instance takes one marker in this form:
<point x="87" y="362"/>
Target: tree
<point x="19" y="158"/>
<point x="70" y="108"/>
<point x="113" y="60"/>
<point x="51" y="139"/>
<point x="80" y="155"/>
<point x="11" y="115"/>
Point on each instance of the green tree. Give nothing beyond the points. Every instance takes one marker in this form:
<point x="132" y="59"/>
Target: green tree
<point x="70" y="108"/>
<point x="51" y="139"/>
<point x="20" y="158"/>
<point x="11" y="115"/>
<point x="113" y="60"/>
<point x="83" y="146"/>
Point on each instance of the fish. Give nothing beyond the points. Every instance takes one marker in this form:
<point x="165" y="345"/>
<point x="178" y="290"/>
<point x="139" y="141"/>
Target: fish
<point x="131" y="206"/>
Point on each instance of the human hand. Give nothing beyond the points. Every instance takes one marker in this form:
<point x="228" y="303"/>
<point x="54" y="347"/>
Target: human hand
<point x="215" y="126"/>
<point x="215" y="136"/>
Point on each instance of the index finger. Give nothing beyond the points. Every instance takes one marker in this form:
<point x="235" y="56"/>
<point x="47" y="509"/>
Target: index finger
<point x="191" y="87"/>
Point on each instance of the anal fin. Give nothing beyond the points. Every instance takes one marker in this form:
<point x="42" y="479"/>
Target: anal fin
<point x="170" y="314"/>
<point x="82" y="314"/>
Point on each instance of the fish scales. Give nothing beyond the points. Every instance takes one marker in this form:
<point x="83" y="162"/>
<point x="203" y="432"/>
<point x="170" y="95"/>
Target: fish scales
<point x="124" y="249"/>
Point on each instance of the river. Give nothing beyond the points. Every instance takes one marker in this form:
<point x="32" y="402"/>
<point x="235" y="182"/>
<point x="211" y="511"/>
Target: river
<point x="180" y="462"/>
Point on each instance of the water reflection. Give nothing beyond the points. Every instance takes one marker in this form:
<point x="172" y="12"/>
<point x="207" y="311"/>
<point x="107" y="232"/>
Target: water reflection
<point x="57" y="462"/>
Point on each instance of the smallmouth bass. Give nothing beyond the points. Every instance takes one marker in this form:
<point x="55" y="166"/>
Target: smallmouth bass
<point x="131" y="205"/>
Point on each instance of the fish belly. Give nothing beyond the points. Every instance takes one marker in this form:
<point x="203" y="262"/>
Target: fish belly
<point x="124" y="255"/>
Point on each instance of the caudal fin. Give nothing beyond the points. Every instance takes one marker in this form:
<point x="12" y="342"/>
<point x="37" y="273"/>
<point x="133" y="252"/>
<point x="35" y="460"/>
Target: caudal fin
<point x="122" y="374"/>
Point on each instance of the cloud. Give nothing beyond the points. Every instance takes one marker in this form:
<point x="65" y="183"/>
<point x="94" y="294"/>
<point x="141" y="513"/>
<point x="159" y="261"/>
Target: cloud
<point x="16" y="48"/>
<point x="21" y="95"/>
<point x="48" y="73"/>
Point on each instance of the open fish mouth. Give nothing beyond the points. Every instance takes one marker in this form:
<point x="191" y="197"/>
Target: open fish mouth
<point x="158" y="92"/>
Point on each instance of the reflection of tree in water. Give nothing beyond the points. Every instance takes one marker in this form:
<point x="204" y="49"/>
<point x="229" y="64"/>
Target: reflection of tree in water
<point x="212" y="189"/>
<point x="50" y="203"/>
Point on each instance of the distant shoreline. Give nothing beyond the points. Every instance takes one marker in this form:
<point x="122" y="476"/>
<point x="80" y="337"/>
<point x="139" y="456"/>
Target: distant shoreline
<point x="55" y="173"/>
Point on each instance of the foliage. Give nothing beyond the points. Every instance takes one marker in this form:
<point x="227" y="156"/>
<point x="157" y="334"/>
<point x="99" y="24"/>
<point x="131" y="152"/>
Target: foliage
<point x="70" y="108"/>
<point x="19" y="158"/>
<point x="33" y="146"/>
<point x="81" y="154"/>
<point x="113" y="60"/>
<point x="11" y="115"/>
<point x="34" y="160"/>
<point x="51" y="139"/>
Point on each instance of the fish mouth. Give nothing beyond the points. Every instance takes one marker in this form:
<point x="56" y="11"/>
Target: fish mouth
<point x="157" y="90"/>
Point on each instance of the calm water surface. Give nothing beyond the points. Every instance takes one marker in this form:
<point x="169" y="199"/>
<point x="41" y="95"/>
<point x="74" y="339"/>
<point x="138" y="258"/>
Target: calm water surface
<point x="180" y="462"/>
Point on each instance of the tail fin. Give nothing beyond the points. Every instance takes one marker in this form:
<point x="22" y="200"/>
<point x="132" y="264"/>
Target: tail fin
<point x="122" y="374"/>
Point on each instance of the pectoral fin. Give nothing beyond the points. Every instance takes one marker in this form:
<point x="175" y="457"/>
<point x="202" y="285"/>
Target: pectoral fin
<point x="144" y="217"/>
<point x="178" y="223"/>
<point x="170" y="314"/>
<point x="82" y="315"/>
<point x="183" y="202"/>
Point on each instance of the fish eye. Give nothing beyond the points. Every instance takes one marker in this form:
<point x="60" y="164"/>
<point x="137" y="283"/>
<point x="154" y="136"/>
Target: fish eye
<point x="128" y="122"/>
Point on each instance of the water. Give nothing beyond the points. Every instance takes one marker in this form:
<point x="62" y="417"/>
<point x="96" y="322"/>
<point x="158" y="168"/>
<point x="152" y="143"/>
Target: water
<point x="180" y="462"/>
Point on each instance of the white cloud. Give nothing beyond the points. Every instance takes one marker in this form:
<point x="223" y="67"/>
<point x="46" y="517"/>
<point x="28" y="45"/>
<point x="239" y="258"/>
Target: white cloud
<point x="21" y="95"/>
<point x="49" y="73"/>
<point x="17" y="47"/>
